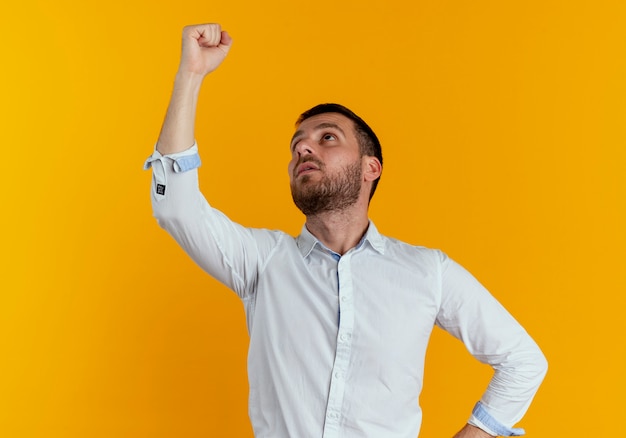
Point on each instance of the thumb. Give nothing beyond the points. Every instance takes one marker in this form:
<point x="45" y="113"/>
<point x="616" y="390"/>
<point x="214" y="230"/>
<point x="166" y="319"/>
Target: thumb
<point x="225" y="42"/>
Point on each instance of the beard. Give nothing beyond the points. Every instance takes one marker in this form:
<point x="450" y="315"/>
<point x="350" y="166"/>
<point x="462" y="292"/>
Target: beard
<point x="332" y="193"/>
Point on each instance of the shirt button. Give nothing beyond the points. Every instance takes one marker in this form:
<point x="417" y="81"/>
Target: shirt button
<point x="338" y="375"/>
<point x="344" y="299"/>
<point x="345" y="337"/>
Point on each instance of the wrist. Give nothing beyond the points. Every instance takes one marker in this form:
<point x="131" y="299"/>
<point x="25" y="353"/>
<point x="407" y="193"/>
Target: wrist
<point x="470" y="431"/>
<point x="187" y="81"/>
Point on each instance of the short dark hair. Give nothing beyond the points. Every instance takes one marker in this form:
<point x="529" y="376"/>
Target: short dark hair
<point x="368" y="142"/>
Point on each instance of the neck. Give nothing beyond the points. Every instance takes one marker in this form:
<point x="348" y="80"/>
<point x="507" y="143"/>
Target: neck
<point x="339" y="231"/>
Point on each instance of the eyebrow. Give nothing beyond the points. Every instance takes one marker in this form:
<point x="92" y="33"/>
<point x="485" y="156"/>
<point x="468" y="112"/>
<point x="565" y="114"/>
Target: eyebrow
<point x="323" y="125"/>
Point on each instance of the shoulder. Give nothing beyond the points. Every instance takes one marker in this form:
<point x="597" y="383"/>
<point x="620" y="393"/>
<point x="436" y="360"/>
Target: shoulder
<point x="412" y="253"/>
<point x="277" y="237"/>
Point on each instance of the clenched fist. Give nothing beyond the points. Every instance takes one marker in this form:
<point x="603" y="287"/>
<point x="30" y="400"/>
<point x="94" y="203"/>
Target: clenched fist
<point x="204" y="48"/>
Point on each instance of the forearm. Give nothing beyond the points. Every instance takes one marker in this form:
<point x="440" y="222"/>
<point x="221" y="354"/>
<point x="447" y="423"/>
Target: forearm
<point x="177" y="133"/>
<point x="204" y="48"/>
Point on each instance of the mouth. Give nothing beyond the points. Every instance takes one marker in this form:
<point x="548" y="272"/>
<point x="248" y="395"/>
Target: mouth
<point x="306" y="167"/>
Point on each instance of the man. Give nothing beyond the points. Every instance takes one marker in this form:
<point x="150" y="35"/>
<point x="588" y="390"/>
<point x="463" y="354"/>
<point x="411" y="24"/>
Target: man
<point x="339" y="317"/>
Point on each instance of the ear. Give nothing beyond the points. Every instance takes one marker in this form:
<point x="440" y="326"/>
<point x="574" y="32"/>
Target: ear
<point x="371" y="168"/>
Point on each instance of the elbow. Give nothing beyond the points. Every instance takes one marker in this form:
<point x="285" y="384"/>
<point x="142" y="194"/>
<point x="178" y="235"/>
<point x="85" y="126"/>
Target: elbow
<point x="542" y="365"/>
<point x="170" y="210"/>
<point x="166" y="215"/>
<point x="167" y="219"/>
<point x="536" y="362"/>
<point x="528" y="367"/>
<point x="536" y="368"/>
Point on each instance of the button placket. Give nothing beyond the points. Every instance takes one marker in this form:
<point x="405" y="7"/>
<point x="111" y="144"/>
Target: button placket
<point x="343" y="349"/>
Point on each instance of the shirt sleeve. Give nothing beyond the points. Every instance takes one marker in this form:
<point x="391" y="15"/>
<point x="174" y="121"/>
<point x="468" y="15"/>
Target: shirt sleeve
<point x="470" y="313"/>
<point x="229" y="252"/>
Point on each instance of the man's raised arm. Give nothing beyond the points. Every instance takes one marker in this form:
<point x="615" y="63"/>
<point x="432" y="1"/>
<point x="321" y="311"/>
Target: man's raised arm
<point x="204" y="48"/>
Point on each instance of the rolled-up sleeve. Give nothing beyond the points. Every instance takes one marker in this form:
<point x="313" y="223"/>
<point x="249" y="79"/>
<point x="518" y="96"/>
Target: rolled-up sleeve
<point x="180" y="162"/>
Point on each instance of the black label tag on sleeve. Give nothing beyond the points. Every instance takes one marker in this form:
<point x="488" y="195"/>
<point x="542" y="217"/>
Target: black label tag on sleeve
<point x="160" y="189"/>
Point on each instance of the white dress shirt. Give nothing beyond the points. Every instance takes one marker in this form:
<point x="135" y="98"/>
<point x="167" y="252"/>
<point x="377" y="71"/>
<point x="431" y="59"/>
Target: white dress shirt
<point x="337" y="343"/>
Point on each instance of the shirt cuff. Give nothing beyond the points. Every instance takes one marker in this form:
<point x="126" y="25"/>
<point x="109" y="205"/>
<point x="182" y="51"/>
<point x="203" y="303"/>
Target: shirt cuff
<point x="183" y="161"/>
<point x="163" y="164"/>
<point x="483" y="420"/>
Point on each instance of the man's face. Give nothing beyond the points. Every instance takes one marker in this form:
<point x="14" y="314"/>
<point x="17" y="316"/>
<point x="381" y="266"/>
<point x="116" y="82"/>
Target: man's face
<point x="325" y="170"/>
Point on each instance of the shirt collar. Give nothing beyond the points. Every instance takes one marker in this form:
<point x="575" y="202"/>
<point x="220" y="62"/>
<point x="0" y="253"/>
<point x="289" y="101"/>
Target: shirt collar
<point x="307" y="241"/>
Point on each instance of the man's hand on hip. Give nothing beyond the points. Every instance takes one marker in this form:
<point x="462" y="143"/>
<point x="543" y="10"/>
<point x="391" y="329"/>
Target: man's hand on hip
<point x="470" y="431"/>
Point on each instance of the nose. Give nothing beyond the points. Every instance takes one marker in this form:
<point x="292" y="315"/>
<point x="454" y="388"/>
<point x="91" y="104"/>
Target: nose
<point x="304" y="147"/>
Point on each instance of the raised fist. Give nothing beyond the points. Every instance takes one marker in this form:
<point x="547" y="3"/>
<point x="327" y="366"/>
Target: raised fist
<point x="204" y="48"/>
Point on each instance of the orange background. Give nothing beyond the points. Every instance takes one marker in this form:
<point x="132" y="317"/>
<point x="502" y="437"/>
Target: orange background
<point x="503" y="129"/>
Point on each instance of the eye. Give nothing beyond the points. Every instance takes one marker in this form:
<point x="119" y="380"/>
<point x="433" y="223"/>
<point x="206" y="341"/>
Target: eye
<point x="293" y="145"/>
<point x="328" y="137"/>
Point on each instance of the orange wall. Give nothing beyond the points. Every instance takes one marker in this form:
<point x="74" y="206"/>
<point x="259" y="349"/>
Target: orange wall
<point x="503" y="127"/>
